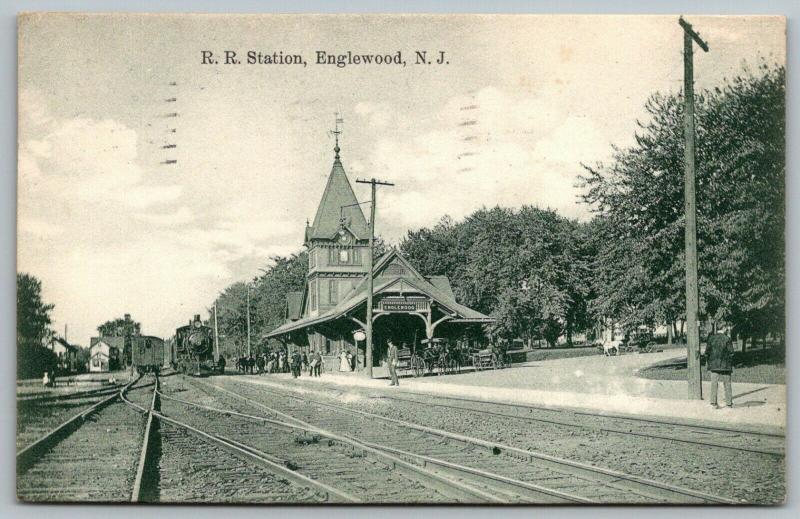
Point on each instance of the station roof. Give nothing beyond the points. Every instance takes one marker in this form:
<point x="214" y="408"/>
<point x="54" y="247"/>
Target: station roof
<point x="437" y="288"/>
<point x="338" y="200"/>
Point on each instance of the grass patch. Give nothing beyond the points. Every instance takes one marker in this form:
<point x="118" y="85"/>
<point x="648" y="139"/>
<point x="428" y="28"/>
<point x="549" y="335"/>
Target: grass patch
<point x="553" y="353"/>
<point x="766" y="366"/>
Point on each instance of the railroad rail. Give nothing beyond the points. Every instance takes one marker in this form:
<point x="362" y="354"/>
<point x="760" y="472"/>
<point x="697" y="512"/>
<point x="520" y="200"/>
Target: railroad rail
<point x="70" y="395"/>
<point x="89" y="457"/>
<point x="430" y="445"/>
<point x="455" y="481"/>
<point x="146" y="485"/>
<point x="721" y="435"/>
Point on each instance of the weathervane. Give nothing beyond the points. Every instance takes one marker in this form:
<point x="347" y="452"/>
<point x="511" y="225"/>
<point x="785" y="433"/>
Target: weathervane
<point x="337" y="131"/>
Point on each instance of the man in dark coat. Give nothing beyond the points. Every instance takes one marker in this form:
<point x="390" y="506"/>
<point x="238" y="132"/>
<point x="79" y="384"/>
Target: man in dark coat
<point x="719" y="361"/>
<point x="297" y="360"/>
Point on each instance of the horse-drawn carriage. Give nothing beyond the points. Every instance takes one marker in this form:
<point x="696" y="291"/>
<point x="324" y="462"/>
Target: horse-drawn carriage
<point x="493" y="357"/>
<point x="438" y="356"/>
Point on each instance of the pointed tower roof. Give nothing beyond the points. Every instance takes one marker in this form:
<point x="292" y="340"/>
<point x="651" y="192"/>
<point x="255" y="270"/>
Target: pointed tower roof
<point x="338" y="201"/>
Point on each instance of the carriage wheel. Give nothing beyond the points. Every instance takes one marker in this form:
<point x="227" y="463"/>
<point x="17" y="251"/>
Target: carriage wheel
<point x="417" y="366"/>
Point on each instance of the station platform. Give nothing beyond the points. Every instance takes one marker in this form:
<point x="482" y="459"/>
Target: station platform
<point x="595" y="384"/>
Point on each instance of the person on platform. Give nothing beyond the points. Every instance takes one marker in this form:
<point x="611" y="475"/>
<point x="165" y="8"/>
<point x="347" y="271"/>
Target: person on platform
<point x="719" y="361"/>
<point x="392" y="360"/>
<point x="350" y="364"/>
<point x="304" y="364"/>
<point x="46" y="379"/>
<point x="344" y="364"/>
<point x="297" y="360"/>
<point x="222" y="364"/>
<point x="316" y="359"/>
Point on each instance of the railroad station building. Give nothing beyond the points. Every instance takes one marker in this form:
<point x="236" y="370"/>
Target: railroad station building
<point x="327" y="315"/>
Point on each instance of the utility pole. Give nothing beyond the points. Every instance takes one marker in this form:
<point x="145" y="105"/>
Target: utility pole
<point x="692" y="330"/>
<point x="216" y="335"/>
<point x="370" y="278"/>
<point x="248" y="320"/>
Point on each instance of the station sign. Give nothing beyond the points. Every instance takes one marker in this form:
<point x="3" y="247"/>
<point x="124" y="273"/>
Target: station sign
<point x="398" y="306"/>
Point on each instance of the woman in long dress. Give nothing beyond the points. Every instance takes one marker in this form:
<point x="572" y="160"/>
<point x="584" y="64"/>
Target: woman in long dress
<point x="344" y="364"/>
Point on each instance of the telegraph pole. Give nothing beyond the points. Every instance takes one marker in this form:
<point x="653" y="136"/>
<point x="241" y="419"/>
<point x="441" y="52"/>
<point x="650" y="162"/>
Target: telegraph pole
<point x="692" y="329"/>
<point x="370" y="278"/>
<point x="216" y="335"/>
<point x="248" y="320"/>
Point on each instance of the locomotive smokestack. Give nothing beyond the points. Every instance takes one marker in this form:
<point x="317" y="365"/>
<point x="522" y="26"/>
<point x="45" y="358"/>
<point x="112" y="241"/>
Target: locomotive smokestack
<point x="197" y="317"/>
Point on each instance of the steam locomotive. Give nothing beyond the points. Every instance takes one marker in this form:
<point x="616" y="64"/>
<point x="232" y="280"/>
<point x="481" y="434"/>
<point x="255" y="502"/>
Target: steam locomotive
<point x="194" y="349"/>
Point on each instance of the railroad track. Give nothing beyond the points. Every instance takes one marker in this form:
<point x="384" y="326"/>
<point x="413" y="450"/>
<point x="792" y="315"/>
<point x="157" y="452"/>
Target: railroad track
<point x="197" y="464"/>
<point x="716" y="437"/>
<point x="464" y="456"/>
<point x="36" y="418"/>
<point x="361" y="470"/>
<point x="89" y="457"/>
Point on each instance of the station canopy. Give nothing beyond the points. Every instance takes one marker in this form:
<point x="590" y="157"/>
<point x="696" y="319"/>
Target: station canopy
<point x="393" y="275"/>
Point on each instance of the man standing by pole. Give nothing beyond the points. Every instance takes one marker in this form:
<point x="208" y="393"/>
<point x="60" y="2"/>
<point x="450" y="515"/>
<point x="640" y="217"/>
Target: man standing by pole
<point x="370" y="277"/>
<point x="719" y="362"/>
<point x="692" y="329"/>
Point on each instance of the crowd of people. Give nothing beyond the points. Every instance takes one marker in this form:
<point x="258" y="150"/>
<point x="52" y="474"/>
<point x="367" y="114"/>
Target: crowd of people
<point x="281" y="361"/>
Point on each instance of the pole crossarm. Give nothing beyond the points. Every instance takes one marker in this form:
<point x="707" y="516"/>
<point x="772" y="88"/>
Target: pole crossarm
<point x="691" y="32"/>
<point x="373" y="181"/>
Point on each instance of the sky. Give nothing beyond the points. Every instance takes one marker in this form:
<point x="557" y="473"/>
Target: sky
<point x="522" y="102"/>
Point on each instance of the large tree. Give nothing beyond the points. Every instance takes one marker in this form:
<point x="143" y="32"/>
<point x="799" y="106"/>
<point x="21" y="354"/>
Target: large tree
<point x="120" y="327"/>
<point x="33" y="314"/>
<point x="33" y="328"/>
<point x="526" y="267"/>
<point x="283" y="274"/>
<point x="638" y="197"/>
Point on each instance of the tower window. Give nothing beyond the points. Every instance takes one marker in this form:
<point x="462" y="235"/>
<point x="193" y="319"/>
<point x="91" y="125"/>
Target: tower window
<point x="344" y="256"/>
<point x="312" y="295"/>
<point x="333" y="292"/>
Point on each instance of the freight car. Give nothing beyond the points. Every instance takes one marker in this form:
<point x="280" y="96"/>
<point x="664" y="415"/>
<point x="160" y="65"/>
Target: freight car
<point x="194" y="349"/>
<point x="147" y="354"/>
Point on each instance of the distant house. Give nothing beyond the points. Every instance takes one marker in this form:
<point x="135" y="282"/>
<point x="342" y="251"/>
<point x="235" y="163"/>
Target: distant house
<point x="67" y="354"/>
<point x="104" y="353"/>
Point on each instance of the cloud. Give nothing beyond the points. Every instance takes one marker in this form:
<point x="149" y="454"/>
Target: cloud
<point x="182" y="216"/>
<point x="491" y="147"/>
<point x="107" y="235"/>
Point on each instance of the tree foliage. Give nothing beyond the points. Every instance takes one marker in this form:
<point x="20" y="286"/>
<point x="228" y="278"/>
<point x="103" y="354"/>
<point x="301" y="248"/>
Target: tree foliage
<point x="33" y="315"/>
<point x="120" y="327"/>
<point x="740" y="168"/>
<point x="33" y="329"/>
<point x="527" y="268"/>
<point x="268" y="292"/>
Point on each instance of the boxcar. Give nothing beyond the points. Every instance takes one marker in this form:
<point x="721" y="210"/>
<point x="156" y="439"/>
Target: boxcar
<point x="147" y="353"/>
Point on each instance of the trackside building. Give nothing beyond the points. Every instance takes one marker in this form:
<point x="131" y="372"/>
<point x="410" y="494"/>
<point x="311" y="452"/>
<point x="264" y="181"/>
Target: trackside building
<point x="407" y="306"/>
